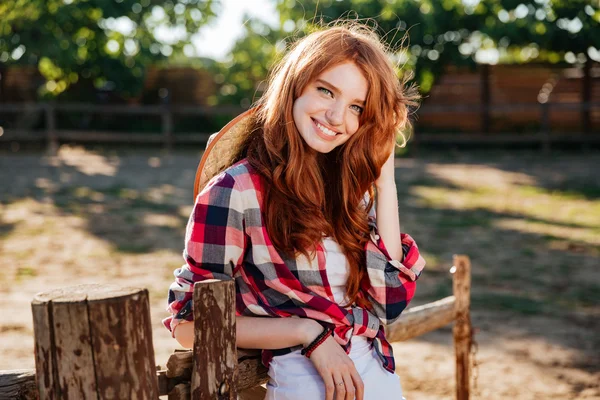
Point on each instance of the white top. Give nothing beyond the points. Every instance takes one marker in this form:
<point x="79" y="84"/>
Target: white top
<point x="338" y="269"/>
<point x="294" y="377"/>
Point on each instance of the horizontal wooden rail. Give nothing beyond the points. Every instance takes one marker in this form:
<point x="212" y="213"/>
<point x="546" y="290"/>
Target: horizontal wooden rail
<point x="419" y="320"/>
<point x="166" y="135"/>
<point x="235" y="110"/>
<point x="121" y="109"/>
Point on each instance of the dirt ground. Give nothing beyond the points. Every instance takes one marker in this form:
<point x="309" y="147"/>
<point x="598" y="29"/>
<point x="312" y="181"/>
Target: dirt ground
<point x="529" y="222"/>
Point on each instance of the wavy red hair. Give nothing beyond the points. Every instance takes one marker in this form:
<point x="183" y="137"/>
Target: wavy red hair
<point x="307" y="194"/>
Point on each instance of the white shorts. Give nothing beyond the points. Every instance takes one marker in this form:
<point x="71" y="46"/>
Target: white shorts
<point x="294" y="377"/>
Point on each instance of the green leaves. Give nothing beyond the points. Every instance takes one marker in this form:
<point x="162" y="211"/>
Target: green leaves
<point x="464" y="32"/>
<point x="96" y="41"/>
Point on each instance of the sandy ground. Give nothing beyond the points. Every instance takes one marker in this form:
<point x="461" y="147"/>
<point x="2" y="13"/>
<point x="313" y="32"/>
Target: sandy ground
<point x="90" y="216"/>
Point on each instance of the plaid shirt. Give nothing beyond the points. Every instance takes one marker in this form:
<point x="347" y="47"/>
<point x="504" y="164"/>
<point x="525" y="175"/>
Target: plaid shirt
<point x="226" y="238"/>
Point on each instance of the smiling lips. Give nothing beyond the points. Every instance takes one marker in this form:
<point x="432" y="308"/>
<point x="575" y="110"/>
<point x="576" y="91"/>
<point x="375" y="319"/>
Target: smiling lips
<point x="324" y="132"/>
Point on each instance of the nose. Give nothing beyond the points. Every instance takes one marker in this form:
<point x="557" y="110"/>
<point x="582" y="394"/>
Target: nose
<point x="335" y="114"/>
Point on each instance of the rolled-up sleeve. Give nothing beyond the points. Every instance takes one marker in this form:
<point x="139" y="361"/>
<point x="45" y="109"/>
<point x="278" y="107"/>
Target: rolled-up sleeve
<point x="390" y="284"/>
<point x="214" y="245"/>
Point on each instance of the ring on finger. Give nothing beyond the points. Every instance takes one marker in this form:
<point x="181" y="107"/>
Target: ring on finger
<point x="340" y="383"/>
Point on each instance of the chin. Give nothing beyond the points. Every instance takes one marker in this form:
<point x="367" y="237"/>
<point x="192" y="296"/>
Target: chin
<point x="322" y="148"/>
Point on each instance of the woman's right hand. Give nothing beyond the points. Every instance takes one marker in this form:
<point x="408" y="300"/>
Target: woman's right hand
<point x="335" y="367"/>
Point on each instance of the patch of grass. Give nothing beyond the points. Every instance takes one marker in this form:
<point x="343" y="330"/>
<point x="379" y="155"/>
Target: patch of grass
<point x="26" y="271"/>
<point x="434" y="263"/>
<point x="442" y="289"/>
<point x="507" y="302"/>
<point x="527" y="252"/>
<point x="586" y="295"/>
<point x="135" y="248"/>
<point x="581" y="193"/>
<point x="6" y="229"/>
<point x="463" y="221"/>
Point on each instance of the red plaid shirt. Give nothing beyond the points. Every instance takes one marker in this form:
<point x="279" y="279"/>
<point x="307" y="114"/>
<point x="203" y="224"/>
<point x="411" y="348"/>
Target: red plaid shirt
<point x="226" y="238"/>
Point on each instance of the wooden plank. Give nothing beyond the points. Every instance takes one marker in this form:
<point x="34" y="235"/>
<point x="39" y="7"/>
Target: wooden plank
<point x="18" y="384"/>
<point x="419" y="320"/>
<point x="214" y="373"/>
<point x="255" y="393"/>
<point x="109" y="136"/>
<point x="180" y="364"/>
<point x="502" y="138"/>
<point x="181" y="391"/>
<point x="462" y="325"/>
<point x="251" y="371"/>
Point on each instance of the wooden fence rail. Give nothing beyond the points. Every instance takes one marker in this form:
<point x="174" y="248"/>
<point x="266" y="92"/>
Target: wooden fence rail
<point x="94" y="341"/>
<point x="166" y="136"/>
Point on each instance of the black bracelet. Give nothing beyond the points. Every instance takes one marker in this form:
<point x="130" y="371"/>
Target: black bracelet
<point x="316" y="342"/>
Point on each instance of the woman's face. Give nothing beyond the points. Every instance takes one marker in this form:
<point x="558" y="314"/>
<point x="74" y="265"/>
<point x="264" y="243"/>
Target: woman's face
<point x="328" y="111"/>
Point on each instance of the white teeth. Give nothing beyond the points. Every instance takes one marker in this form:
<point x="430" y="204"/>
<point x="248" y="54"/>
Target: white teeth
<point x="325" y="130"/>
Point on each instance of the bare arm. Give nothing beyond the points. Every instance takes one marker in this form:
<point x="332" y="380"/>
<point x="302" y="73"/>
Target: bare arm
<point x="262" y="333"/>
<point x="388" y="220"/>
<point x="333" y="364"/>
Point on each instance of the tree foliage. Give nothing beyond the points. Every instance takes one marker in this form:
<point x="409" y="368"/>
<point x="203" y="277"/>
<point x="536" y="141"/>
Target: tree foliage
<point x="429" y="34"/>
<point x="97" y="42"/>
<point x="243" y="73"/>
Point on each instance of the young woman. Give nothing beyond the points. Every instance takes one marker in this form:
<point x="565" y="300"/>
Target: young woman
<point x="286" y="208"/>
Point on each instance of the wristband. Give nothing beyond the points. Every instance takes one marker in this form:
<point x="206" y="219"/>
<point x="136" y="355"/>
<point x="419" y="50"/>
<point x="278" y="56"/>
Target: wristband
<point x="307" y="351"/>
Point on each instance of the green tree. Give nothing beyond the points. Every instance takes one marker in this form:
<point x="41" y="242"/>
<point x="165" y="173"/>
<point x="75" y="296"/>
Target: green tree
<point x="97" y="42"/>
<point x="465" y="32"/>
<point x="242" y="74"/>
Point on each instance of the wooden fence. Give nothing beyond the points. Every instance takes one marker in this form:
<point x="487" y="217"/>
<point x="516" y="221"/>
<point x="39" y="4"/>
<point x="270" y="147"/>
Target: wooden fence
<point x="95" y="341"/>
<point x="52" y="135"/>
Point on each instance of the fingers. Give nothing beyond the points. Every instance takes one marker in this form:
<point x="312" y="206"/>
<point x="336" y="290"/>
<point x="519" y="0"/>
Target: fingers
<point x="358" y="384"/>
<point x="349" y="386"/>
<point x="340" y="386"/>
<point x="329" y="386"/>
<point x="340" y="377"/>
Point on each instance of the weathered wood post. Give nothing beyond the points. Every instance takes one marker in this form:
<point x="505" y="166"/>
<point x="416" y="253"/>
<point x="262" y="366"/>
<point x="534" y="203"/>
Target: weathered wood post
<point x="51" y="137"/>
<point x="167" y="127"/>
<point x="94" y="342"/>
<point x="215" y="365"/>
<point x="545" y="126"/>
<point x="461" y="283"/>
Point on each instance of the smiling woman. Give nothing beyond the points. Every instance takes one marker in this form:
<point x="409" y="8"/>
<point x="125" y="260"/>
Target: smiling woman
<point x="286" y="208"/>
<point x="328" y="111"/>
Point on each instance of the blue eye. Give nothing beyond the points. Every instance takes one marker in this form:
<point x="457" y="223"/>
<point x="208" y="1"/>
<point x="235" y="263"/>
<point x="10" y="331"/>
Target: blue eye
<point x="325" y="90"/>
<point x="356" y="108"/>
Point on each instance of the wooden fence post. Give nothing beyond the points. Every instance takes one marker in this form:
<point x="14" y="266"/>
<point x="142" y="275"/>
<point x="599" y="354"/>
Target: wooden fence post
<point x="545" y="126"/>
<point x="94" y="342"/>
<point x="167" y="127"/>
<point x="51" y="129"/>
<point x="461" y="283"/>
<point x="215" y="365"/>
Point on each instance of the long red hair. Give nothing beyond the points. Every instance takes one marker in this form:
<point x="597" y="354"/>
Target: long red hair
<point x="309" y="195"/>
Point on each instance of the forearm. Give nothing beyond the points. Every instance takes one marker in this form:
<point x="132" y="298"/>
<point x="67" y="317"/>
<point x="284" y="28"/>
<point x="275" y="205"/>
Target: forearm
<point x="262" y="333"/>
<point x="388" y="220"/>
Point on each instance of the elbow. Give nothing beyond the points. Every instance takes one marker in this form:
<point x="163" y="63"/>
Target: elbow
<point x="393" y="312"/>
<point x="184" y="334"/>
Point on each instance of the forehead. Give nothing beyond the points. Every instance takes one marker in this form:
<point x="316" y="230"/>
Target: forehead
<point x="348" y="79"/>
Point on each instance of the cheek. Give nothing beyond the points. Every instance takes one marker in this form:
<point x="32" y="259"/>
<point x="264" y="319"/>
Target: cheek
<point x="300" y="107"/>
<point x="353" y="126"/>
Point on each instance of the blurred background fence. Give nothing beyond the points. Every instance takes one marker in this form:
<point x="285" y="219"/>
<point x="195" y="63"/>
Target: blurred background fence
<point x="144" y="71"/>
<point x="495" y="104"/>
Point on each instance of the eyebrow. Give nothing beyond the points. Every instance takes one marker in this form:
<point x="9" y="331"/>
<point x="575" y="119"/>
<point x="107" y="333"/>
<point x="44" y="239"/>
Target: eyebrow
<point x="335" y="89"/>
